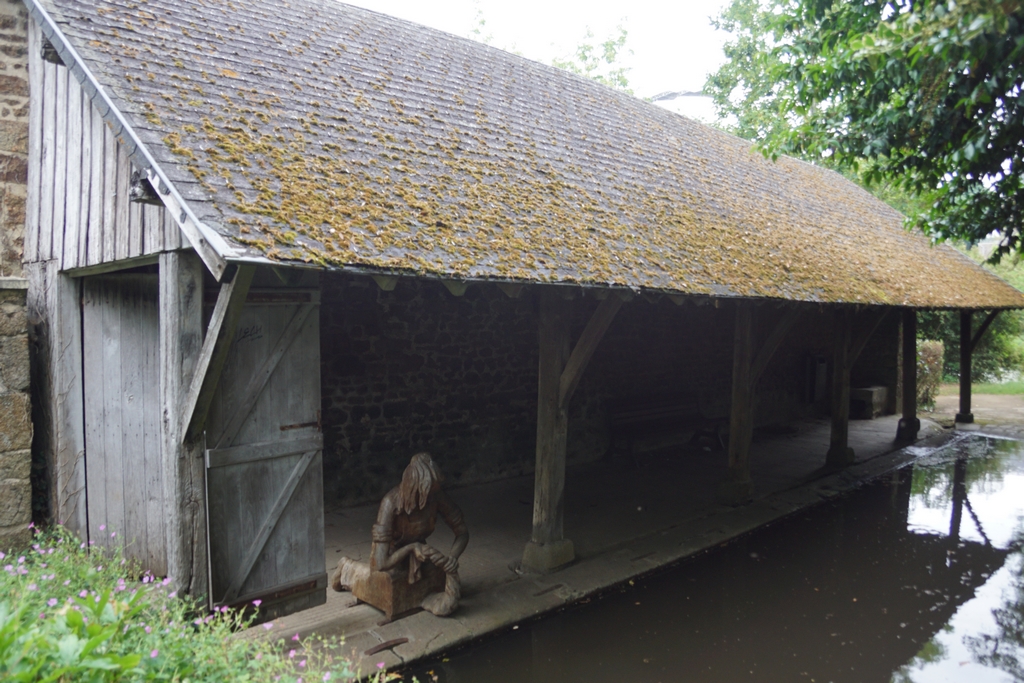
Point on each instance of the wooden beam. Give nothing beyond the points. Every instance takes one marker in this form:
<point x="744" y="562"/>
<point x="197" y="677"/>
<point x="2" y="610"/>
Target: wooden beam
<point x="864" y="336"/>
<point x="966" y="351"/>
<point x="738" y="488"/>
<point x="184" y="472"/>
<point x="839" y="452"/>
<point x="219" y="336"/>
<point x="982" y="329"/>
<point x="548" y="548"/>
<point x="585" y="347"/>
<point x="771" y="344"/>
<point x="909" y="424"/>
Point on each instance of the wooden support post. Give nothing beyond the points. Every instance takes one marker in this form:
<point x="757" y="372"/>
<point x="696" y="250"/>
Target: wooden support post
<point x="839" y="452"/>
<point x="184" y="472"/>
<point x="738" y="487"/>
<point x="548" y="549"/>
<point x="965" y="414"/>
<point x="559" y="375"/>
<point x="909" y="425"/>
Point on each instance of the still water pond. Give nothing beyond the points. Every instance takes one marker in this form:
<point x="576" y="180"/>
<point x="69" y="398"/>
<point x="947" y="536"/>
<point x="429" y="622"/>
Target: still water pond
<point x="916" y="577"/>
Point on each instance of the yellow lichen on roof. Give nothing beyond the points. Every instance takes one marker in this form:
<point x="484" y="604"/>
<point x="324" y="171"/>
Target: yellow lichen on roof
<point x="320" y="132"/>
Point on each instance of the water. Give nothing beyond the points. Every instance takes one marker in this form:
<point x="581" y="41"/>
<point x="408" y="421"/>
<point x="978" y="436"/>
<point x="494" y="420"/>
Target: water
<point x="916" y="577"/>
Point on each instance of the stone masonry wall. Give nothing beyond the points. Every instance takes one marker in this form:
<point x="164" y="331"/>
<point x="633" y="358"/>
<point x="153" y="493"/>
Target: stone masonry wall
<point x="419" y="369"/>
<point x="13" y="133"/>
<point x="15" y="409"/>
<point x="15" y="420"/>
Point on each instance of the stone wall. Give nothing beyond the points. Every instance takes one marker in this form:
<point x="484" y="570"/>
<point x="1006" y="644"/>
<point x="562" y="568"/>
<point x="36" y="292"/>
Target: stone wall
<point x="13" y="133"/>
<point x="419" y="369"/>
<point x="15" y="422"/>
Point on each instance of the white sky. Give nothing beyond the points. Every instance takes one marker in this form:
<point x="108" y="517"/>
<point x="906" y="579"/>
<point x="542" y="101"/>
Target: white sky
<point x="674" y="46"/>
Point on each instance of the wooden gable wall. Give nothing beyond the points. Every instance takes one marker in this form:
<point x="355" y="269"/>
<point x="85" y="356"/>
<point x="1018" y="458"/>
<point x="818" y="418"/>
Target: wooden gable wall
<point x="78" y="211"/>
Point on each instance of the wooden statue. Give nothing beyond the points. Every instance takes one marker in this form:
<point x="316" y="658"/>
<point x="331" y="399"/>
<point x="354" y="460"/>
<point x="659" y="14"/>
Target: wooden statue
<point x="404" y="571"/>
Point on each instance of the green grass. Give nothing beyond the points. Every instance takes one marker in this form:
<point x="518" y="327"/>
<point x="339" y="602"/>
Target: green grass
<point x="1004" y="388"/>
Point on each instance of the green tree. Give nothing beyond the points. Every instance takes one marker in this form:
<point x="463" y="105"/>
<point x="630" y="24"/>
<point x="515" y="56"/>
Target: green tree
<point x="600" y="61"/>
<point x="926" y="92"/>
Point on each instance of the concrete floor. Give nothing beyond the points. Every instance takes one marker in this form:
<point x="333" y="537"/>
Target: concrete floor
<point x="624" y="519"/>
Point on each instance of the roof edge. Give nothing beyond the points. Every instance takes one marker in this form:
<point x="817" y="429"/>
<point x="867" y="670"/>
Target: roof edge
<point x="212" y="248"/>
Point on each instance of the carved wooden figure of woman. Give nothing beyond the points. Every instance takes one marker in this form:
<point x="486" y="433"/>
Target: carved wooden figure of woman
<point x="405" y="520"/>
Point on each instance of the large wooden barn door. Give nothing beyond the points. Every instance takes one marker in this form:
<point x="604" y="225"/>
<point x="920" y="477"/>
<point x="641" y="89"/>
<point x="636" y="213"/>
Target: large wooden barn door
<point x="124" y="481"/>
<point x="264" y="471"/>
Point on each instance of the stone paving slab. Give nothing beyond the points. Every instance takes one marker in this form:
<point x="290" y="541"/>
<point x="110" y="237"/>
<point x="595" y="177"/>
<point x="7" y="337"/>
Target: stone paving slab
<point x="681" y="518"/>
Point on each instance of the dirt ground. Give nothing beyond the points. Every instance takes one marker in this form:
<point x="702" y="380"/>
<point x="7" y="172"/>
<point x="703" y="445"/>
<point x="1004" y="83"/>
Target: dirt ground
<point x="988" y="409"/>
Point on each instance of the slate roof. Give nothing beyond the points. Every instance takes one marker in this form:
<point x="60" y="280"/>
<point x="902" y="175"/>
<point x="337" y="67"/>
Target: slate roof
<point x="309" y="130"/>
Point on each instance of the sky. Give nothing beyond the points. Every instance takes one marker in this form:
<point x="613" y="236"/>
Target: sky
<point x="673" y="43"/>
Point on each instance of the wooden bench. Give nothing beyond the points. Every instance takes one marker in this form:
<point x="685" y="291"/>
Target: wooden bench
<point x="636" y="418"/>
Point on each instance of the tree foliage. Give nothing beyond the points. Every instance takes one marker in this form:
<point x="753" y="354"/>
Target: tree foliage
<point x="600" y="61"/>
<point x="921" y="94"/>
<point x="999" y="349"/>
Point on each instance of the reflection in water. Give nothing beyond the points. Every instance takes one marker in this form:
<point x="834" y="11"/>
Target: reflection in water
<point x="918" y="577"/>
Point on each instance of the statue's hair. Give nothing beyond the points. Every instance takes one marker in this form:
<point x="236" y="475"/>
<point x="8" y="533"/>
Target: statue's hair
<point x="417" y="480"/>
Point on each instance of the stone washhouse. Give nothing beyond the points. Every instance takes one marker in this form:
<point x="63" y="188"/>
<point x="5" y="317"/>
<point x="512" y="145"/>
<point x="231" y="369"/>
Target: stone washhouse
<point x="274" y="249"/>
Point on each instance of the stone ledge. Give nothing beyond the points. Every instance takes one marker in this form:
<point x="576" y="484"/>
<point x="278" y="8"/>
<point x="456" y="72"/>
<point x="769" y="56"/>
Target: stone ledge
<point x="13" y="283"/>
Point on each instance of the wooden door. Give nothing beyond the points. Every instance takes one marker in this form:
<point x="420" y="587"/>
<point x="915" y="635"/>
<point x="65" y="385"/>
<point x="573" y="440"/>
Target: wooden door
<point x="124" y="476"/>
<point x="264" y="471"/>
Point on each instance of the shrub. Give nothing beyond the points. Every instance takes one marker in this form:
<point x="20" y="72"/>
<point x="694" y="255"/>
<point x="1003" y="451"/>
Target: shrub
<point x="929" y="372"/>
<point x="73" y="613"/>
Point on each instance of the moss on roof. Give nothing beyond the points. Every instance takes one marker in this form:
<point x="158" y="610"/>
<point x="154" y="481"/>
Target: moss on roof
<point x="311" y="130"/>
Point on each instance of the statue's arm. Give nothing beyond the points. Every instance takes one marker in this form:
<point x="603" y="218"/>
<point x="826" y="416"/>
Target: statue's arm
<point x="452" y="516"/>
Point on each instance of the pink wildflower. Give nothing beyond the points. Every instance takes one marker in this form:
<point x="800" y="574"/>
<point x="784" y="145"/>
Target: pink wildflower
<point x="154" y="653"/>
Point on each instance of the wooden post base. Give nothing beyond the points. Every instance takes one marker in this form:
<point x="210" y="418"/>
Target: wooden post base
<point x="839" y="456"/>
<point x="967" y="418"/>
<point x="547" y="557"/>
<point x="735" y="491"/>
<point x="907" y="430"/>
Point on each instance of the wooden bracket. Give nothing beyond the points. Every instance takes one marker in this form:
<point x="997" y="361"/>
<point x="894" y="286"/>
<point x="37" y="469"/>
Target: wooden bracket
<point x="456" y="287"/>
<point x="771" y="344"/>
<point x="219" y="336"/>
<point x="511" y="289"/>
<point x="585" y="347"/>
<point x="386" y="283"/>
<point x="984" y="327"/>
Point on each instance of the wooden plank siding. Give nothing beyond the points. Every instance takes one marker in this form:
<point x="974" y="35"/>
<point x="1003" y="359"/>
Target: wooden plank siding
<point x="78" y="210"/>
<point x="123" y="439"/>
